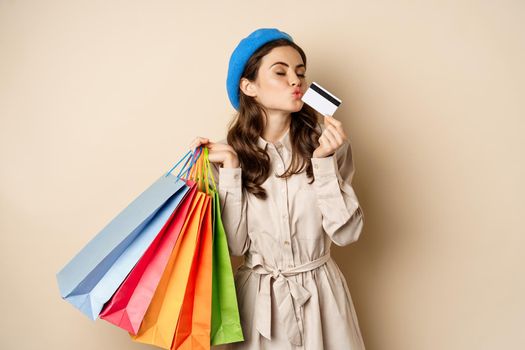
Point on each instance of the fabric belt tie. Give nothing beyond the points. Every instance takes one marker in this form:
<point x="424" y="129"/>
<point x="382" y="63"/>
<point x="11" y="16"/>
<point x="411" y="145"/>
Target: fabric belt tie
<point x="284" y="290"/>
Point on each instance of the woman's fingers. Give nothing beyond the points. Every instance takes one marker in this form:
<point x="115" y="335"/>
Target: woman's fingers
<point x="218" y="152"/>
<point x="329" y="120"/>
<point x="205" y="141"/>
<point x="330" y="137"/>
<point x="335" y="134"/>
<point x="218" y="146"/>
<point x="198" y="141"/>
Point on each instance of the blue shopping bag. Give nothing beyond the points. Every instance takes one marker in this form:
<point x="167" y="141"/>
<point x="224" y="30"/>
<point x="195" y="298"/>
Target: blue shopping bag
<point x="90" y="279"/>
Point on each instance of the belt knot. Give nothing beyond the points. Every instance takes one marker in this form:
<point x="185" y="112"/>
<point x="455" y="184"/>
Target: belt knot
<point x="284" y="289"/>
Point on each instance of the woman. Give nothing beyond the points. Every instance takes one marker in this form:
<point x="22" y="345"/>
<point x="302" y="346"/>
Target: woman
<point x="284" y="183"/>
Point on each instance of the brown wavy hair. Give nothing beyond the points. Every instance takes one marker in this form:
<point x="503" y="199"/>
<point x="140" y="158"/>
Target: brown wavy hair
<point x="248" y="124"/>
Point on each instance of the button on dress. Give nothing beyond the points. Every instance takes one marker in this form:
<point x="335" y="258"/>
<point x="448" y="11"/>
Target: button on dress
<point x="291" y="293"/>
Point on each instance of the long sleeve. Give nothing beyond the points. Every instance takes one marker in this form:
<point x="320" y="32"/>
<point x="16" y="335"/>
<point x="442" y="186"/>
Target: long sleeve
<point x="336" y="198"/>
<point x="233" y="207"/>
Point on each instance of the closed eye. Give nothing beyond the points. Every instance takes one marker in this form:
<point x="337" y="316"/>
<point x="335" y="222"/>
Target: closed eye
<point x="301" y="75"/>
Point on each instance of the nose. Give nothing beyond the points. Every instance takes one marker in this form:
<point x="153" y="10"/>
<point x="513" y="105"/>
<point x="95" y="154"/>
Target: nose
<point x="296" y="80"/>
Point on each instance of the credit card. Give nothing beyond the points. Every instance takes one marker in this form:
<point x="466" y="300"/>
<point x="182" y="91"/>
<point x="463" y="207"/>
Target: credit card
<point x="321" y="99"/>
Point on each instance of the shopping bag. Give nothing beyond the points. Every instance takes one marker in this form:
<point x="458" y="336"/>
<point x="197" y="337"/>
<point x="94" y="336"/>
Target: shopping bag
<point x="194" y="323"/>
<point x="93" y="275"/>
<point x="225" y="318"/>
<point x="193" y="326"/>
<point x="160" y="321"/>
<point x="225" y="321"/>
<point x="128" y="305"/>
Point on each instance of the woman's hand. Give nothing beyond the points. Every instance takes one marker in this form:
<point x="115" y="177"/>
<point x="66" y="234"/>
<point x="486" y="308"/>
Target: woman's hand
<point x="218" y="152"/>
<point x="331" y="139"/>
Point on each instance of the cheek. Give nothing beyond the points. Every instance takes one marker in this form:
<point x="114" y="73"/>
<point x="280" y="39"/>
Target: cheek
<point x="274" y="83"/>
<point x="273" y="88"/>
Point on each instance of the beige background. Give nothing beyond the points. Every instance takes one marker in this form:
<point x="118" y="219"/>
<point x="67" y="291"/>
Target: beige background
<point x="98" y="99"/>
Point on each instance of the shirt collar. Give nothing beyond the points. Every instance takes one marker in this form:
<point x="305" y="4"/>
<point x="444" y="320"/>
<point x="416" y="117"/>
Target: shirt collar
<point x="284" y="141"/>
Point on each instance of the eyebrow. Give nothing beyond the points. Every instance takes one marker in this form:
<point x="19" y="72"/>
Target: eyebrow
<point x="299" y="65"/>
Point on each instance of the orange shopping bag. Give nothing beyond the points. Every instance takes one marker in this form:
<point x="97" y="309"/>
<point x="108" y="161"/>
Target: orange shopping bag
<point x="194" y="325"/>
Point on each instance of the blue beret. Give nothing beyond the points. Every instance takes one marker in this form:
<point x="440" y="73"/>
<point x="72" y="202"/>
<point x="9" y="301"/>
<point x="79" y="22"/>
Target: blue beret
<point x="242" y="54"/>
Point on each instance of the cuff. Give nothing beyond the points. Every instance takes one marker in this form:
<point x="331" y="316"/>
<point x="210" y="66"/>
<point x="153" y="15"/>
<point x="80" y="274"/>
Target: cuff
<point x="325" y="166"/>
<point x="230" y="177"/>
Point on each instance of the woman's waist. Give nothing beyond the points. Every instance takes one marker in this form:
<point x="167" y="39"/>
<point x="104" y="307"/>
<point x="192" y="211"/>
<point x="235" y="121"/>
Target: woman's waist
<point x="254" y="260"/>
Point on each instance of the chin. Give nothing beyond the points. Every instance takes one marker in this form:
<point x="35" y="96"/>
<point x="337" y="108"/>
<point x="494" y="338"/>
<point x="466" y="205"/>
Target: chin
<point x="297" y="107"/>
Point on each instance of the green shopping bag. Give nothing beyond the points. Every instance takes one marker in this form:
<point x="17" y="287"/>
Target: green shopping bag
<point x="225" y="319"/>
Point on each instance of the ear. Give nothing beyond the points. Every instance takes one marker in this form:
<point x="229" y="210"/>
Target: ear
<point x="248" y="87"/>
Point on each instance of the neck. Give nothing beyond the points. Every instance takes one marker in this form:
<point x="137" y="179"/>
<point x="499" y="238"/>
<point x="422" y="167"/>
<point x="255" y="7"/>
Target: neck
<point x="277" y="123"/>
